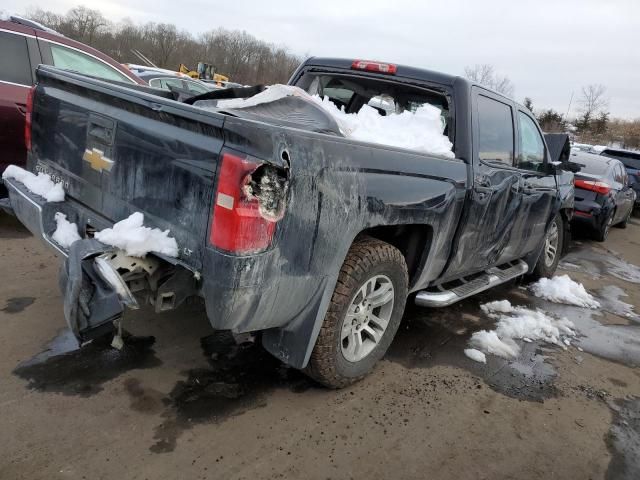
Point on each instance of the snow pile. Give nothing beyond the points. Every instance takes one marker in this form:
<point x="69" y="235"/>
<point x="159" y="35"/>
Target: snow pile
<point x="421" y="130"/>
<point x="517" y="323"/>
<point x="137" y="240"/>
<point x="66" y="232"/>
<point x="564" y="290"/>
<point x="475" y="355"/>
<point x="40" y="184"/>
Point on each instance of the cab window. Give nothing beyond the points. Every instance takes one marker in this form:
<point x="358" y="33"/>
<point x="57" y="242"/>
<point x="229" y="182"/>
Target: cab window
<point x="495" y="131"/>
<point x="531" y="144"/>
<point x="79" y="62"/>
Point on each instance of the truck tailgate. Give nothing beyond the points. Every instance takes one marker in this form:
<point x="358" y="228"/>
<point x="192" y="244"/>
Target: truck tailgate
<point x="118" y="150"/>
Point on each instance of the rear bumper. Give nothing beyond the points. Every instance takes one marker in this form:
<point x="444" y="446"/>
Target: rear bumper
<point x="34" y="213"/>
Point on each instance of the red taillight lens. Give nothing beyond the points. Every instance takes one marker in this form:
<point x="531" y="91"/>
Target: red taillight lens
<point x="237" y="224"/>
<point x="598" y="187"/>
<point x="377" y="67"/>
<point x="27" y="119"/>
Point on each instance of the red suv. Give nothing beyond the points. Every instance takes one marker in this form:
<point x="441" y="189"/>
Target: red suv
<point x="23" y="46"/>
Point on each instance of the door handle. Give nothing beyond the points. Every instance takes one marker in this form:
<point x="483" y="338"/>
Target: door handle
<point x="22" y="108"/>
<point x="100" y="132"/>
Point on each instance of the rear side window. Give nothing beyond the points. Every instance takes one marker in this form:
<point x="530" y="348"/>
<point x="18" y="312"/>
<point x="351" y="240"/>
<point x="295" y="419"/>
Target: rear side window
<point x="531" y="144"/>
<point x="495" y="131"/>
<point x="79" y="62"/>
<point x="14" y="59"/>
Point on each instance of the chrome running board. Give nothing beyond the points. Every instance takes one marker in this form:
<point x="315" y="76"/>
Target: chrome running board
<point x="441" y="297"/>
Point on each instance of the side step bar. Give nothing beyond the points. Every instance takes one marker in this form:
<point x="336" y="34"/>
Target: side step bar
<point x="492" y="277"/>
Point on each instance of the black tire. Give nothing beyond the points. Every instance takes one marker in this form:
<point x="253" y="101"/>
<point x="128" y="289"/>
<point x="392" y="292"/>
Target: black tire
<point x="366" y="258"/>
<point x="602" y="234"/>
<point x="545" y="267"/>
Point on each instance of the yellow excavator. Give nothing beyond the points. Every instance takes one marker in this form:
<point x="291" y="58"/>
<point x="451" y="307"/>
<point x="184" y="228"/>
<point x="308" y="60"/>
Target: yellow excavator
<point x="205" y="71"/>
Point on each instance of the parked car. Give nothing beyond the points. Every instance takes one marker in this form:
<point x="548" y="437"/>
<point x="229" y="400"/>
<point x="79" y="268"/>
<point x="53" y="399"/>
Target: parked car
<point x="285" y="226"/>
<point x="172" y="81"/>
<point x="631" y="161"/>
<point x="603" y="195"/>
<point x="23" y="46"/>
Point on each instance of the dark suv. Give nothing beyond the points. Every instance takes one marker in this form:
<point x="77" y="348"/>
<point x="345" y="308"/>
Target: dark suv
<point x="23" y="46"/>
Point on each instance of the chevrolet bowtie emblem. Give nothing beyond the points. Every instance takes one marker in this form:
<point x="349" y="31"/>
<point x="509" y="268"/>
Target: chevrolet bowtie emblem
<point x="97" y="160"/>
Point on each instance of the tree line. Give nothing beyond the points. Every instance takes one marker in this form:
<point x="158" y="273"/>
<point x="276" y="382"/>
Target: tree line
<point x="592" y="124"/>
<point x="237" y="54"/>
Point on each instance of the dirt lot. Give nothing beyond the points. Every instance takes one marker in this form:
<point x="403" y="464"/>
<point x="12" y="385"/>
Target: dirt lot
<point x="194" y="405"/>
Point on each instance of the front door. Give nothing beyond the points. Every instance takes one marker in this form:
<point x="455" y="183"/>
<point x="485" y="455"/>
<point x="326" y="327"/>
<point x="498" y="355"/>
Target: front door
<point x="539" y="189"/>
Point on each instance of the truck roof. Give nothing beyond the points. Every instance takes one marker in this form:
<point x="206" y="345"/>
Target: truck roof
<point x="402" y="70"/>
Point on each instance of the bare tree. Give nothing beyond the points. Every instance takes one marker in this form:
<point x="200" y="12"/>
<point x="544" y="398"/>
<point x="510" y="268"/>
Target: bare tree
<point x="485" y="74"/>
<point x="593" y="100"/>
<point x="240" y="55"/>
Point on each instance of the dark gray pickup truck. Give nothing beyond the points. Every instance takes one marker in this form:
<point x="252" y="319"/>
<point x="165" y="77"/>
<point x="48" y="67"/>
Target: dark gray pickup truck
<point x="285" y="226"/>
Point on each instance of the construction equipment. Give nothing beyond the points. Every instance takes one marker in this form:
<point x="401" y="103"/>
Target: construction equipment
<point x="204" y="71"/>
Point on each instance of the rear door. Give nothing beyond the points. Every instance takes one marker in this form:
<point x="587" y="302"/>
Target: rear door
<point x="487" y="236"/>
<point x="15" y="81"/>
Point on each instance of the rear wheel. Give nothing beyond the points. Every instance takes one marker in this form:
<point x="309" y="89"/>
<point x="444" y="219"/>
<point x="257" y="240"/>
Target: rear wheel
<point x="550" y="257"/>
<point x="364" y="314"/>
<point x="602" y="234"/>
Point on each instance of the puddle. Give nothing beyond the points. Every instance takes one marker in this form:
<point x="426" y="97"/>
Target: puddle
<point x="609" y="298"/>
<point x="17" y="304"/>
<point x="238" y="380"/>
<point x="588" y="260"/>
<point x="618" y="343"/>
<point x="430" y="337"/>
<point x="623" y="440"/>
<point x="64" y="368"/>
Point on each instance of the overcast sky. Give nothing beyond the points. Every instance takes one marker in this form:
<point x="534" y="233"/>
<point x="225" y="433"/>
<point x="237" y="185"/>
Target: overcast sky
<point x="548" y="49"/>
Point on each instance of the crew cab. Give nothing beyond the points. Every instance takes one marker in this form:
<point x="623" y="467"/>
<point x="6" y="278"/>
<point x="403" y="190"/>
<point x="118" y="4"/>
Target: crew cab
<point x="285" y="226"/>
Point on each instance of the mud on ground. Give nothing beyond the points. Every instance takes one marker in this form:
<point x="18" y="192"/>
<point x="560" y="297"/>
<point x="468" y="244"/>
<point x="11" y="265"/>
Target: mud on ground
<point x="190" y="403"/>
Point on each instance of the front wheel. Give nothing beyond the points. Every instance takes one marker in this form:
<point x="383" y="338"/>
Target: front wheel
<point x="364" y="314"/>
<point x="550" y="257"/>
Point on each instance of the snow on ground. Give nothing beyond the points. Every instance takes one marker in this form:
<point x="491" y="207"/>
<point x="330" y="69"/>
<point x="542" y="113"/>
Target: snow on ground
<point x="564" y="290"/>
<point x="137" y="240"/>
<point x="476" y="355"/>
<point x="421" y="130"/>
<point x="518" y="323"/>
<point x="40" y="184"/>
<point x="66" y="232"/>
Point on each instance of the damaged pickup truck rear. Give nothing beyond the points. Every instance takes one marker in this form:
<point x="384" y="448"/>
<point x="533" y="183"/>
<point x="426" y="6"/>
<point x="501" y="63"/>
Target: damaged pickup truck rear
<point x="308" y="214"/>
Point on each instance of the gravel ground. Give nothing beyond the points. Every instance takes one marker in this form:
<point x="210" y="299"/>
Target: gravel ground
<point x="192" y="404"/>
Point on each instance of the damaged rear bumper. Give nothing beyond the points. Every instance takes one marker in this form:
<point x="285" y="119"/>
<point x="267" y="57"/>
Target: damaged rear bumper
<point x="90" y="304"/>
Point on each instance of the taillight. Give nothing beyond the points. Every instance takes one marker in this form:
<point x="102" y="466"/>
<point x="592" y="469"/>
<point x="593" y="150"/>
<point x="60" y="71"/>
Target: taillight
<point x="27" y="119"/>
<point x="238" y="225"/>
<point x="377" y="67"/>
<point x="599" y="187"/>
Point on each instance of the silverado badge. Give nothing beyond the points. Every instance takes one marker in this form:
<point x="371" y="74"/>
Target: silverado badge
<point x="97" y="160"/>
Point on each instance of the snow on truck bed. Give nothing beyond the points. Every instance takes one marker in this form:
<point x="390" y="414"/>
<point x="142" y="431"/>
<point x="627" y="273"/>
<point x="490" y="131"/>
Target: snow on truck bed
<point x="421" y="130"/>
